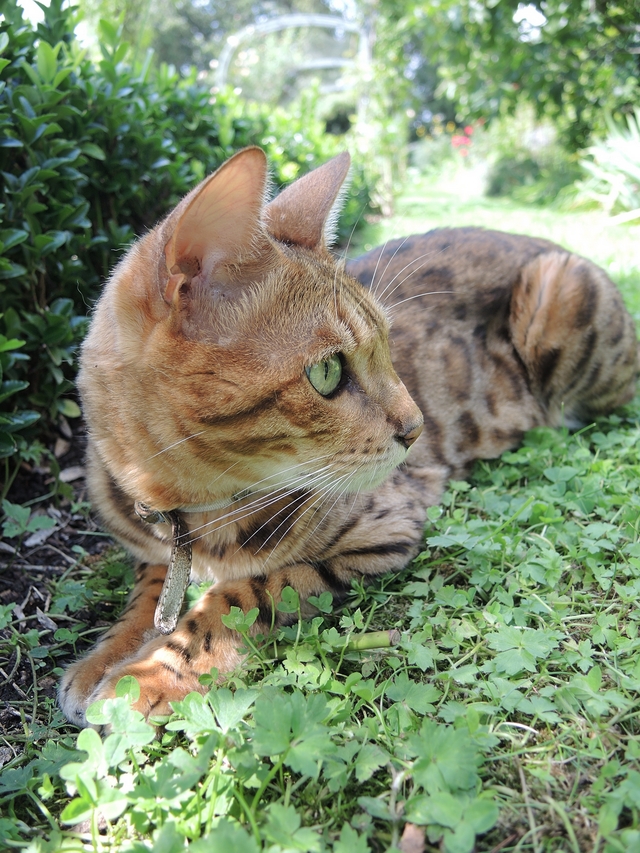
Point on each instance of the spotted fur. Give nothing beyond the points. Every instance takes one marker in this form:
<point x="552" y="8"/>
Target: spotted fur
<point x="196" y="394"/>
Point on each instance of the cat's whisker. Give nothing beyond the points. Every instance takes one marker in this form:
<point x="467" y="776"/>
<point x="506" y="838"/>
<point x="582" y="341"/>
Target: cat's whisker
<point x="418" y="295"/>
<point x="342" y="493"/>
<point x="406" y="278"/>
<point x="353" y="230"/>
<point x="307" y="462"/>
<point x="342" y="257"/>
<point x="320" y="482"/>
<point x="175" y="444"/>
<point x="374" y="289"/>
<point x="373" y="286"/>
<point x="258" y="504"/>
<point x="429" y="257"/>
<point x="318" y="499"/>
<point x="322" y="485"/>
<point x="245" y="511"/>
<point x="310" y="496"/>
<point x="293" y="511"/>
<point x="385" y="292"/>
<point x="226" y="471"/>
<point x="297" y="503"/>
<point x="270" y="486"/>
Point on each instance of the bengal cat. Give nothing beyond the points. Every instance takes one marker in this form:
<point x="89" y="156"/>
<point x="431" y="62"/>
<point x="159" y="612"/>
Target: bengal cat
<point x="241" y="384"/>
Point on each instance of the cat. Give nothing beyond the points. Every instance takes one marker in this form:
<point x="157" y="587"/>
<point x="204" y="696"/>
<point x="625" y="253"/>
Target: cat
<point x="240" y="389"/>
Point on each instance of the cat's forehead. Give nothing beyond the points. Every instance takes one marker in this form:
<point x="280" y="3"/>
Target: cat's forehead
<point x="361" y="313"/>
<point x="330" y="304"/>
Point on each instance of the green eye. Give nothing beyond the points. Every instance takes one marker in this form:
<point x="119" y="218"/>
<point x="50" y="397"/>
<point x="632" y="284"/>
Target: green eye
<point x="325" y="375"/>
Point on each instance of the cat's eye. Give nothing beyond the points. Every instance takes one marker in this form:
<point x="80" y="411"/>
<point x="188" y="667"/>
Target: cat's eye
<point x="325" y="376"/>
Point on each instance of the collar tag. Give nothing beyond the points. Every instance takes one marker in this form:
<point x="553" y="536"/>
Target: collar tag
<point x="179" y="572"/>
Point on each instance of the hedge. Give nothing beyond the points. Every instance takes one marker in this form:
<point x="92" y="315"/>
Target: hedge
<point x="91" y="155"/>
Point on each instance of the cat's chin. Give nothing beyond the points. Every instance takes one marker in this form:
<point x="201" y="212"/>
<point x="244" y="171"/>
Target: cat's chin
<point x="369" y="479"/>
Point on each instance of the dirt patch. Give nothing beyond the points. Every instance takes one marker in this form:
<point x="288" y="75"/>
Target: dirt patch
<point x="32" y="569"/>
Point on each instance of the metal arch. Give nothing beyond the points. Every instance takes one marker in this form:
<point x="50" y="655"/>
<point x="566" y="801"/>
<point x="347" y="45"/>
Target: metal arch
<point x="282" y="22"/>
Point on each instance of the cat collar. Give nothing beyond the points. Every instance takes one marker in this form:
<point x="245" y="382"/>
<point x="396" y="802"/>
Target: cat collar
<point x="179" y="572"/>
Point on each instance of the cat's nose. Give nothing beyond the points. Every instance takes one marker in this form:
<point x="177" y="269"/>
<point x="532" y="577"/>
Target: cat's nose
<point x="410" y="436"/>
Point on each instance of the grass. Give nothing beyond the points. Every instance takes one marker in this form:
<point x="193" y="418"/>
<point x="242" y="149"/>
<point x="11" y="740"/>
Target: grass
<point x="506" y="719"/>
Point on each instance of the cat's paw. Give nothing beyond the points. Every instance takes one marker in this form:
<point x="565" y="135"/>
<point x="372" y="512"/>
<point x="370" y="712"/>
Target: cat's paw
<point x="160" y="684"/>
<point x="78" y="684"/>
<point x="82" y="679"/>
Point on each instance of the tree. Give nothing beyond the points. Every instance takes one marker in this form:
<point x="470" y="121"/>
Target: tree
<point x="185" y="34"/>
<point x="572" y="59"/>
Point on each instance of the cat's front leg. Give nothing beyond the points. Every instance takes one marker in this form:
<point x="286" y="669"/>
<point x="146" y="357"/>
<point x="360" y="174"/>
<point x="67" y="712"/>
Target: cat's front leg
<point x="169" y="667"/>
<point x="367" y="536"/>
<point x="123" y="640"/>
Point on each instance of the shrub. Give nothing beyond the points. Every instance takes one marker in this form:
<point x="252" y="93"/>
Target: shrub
<point x="613" y="170"/>
<point x="528" y="160"/>
<point x="92" y="154"/>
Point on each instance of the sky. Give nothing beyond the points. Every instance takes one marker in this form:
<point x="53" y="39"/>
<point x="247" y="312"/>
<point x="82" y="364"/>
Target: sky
<point x="32" y="10"/>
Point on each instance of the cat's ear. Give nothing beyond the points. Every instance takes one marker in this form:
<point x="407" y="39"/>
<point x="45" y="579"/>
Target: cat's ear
<point x="303" y="213"/>
<point x="217" y="223"/>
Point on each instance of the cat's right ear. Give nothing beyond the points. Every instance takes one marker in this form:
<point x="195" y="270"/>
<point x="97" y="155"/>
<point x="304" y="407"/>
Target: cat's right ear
<point x="217" y="223"/>
<point x="304" y="213"/>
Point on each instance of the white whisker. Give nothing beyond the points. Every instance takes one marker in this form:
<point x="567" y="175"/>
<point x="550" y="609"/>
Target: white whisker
<point x="310" y="482"/>
<point x="375" y="289"/>
<point x="319" y="497"/>
<point x="320" y="482"/>
<point x="342" y="493"/>
<point x="427" y="255"/>
<point x="284" y="484"/>
<point x="317" y="500"/>
<point x="175" y="444"/>
<point x="418" y="295"/>
<point x="245" y="510"/>
<point x="372" y="286"/>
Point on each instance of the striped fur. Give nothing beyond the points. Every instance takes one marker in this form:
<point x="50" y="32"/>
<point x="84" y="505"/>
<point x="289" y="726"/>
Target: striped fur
<point x="196" y="396"/>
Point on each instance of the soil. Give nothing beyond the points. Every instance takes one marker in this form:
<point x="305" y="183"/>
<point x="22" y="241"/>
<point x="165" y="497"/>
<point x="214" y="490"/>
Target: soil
<point x="29" y="567"/>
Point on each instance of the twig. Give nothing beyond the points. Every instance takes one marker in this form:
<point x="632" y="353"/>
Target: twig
<point x="513" y="837"/>
<point x="11" y="710"/>
<point x="12" y="683"/>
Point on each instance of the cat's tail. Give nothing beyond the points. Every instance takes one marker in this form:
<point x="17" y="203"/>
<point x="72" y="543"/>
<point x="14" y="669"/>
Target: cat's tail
<point x="575" y="337"/>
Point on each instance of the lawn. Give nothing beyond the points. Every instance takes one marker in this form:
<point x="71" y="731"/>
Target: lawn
<point x="505" y="718"/>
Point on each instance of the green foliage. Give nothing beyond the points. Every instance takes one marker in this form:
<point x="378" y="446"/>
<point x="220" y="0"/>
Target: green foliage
<point x="570" y="60"/>
<point x="12" y="423"/>
<point x="91" y="155"/>
<point x="613" y="168"/>
<point x="517" y="673"/>
<point x="18" y="520"/>
<point x="526" y="160"/>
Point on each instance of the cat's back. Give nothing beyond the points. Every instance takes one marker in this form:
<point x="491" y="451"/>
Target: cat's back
<point x="447" y="268"/>
<point x="494" y="333"/>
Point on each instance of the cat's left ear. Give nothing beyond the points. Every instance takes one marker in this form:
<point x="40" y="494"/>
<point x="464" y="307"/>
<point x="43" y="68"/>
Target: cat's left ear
<point x="304" y="213"/>
<point x="217" y="223"/>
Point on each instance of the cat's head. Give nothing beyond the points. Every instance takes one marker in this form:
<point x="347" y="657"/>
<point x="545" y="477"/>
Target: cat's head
<point x="230" y="352"/>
